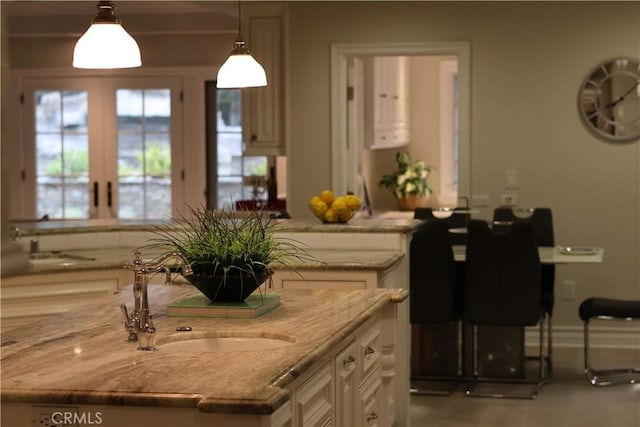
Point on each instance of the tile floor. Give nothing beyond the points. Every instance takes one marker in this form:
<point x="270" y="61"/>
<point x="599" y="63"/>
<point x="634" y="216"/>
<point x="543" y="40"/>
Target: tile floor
<point x="568" y="400"/>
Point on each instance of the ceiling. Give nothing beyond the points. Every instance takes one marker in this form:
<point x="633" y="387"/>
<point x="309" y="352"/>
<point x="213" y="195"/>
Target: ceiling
<point x="123" y="7"/>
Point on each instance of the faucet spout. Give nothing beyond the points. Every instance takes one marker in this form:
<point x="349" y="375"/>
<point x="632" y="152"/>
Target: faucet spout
<point x="140" y="322"/>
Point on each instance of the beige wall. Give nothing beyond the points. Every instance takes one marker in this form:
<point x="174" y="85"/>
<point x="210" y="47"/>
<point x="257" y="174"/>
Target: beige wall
<point x="527" y="60"/>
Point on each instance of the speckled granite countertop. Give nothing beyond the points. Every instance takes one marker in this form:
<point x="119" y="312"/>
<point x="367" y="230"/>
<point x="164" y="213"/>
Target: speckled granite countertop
<point x="330" y="259"/>
<point x="83" y="358"/>
<point x="356" y="225"/>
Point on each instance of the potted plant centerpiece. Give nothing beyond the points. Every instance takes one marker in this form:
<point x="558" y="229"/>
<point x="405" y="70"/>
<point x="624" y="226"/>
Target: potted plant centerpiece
<point x="229" y="255"/>
<point x="409" y="182"/>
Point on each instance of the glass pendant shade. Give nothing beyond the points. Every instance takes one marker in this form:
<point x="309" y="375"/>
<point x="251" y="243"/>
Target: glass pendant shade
<point x="106" y="44"/>
<point x="240" y="69"/>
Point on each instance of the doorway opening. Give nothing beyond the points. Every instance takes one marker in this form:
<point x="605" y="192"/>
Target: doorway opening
<point x="354" y="163"/>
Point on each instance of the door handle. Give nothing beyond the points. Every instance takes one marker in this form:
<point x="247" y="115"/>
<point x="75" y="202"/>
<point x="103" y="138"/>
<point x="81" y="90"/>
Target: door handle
<point x="95" y="194"/>
<point x="109" y="192"/>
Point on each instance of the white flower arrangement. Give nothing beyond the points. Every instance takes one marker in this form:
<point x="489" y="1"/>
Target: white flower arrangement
<point x="410" y="179"/>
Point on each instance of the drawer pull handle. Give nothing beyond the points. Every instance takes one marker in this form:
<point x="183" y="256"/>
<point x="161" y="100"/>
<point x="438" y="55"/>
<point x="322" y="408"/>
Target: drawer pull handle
<point x="372" y="417"/>
<point x="348" y="361"/>
<point x="369" y="351"/>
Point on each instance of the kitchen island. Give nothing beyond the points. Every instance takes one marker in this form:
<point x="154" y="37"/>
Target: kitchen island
<point x="366" y="253"/>
<point x="340" y="350"/>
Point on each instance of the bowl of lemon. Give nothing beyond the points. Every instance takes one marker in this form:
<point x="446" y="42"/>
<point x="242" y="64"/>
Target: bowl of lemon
<point x="332" y="209"/>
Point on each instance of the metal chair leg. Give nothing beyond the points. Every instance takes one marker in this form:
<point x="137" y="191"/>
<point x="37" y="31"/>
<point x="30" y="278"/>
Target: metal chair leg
<point x="536" y="383"/>
<point x="594" y="376"/>
<point x="550" y="344"/>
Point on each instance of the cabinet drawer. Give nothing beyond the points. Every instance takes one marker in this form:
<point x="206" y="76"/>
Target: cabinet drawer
<point x="314" y="279"/>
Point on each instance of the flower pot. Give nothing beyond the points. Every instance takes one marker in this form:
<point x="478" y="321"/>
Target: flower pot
<point x="409" y="203"/>
<point x="235" y="287"/>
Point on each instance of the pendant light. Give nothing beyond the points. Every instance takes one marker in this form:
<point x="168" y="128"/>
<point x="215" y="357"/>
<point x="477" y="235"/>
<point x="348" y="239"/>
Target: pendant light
<point x="240" y="69"/>
<point x="106" y="44"/>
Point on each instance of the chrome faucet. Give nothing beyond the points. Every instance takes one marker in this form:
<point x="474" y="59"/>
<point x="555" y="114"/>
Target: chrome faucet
<point x="140" y="324"/>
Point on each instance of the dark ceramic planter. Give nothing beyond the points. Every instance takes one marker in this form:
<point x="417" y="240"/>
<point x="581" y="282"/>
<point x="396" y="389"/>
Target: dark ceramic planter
<point x="233" y="288"/>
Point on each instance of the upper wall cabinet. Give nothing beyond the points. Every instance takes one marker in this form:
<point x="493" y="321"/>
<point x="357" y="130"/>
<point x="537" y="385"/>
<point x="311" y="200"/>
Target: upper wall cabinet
<point x="390" y="102"/>
<point x="264" y="107"/>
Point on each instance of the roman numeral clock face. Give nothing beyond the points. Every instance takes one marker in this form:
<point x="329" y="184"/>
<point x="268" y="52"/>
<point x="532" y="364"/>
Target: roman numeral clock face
<point x="609" y="100"/>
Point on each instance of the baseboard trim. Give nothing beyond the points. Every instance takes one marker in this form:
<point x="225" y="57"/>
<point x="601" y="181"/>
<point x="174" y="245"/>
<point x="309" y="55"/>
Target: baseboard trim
<point x="599" y="337"/>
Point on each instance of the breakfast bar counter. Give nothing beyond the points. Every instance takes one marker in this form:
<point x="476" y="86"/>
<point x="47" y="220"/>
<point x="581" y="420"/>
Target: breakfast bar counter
<point x="82" y="357"/>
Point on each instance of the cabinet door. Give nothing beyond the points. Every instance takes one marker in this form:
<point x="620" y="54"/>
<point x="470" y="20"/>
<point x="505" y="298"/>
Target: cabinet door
<point x="390" y="102"/>
<point x="282" y="417"/>
<point x="369" y="349"/>
<point x="371" y="400"/>
<point x="263" y="107"/>
<point x="346" y="363"/>
<point x="385" y="75"/>
<point x="314" y="399"/>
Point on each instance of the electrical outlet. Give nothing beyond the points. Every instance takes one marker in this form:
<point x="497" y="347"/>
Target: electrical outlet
<point x="569" y="291"/>
<point x="53" y="416"/>
<point x="508" y="199"/>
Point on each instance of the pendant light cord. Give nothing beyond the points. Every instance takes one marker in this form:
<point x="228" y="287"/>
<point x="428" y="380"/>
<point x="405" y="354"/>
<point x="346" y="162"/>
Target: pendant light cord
<point x="239" y="21"/>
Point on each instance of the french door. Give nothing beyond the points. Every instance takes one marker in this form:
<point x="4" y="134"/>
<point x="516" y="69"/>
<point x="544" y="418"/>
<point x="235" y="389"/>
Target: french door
<point x="102" y="147"/>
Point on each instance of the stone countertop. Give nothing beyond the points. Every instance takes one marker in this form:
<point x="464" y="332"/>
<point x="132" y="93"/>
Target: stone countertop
<point x="82" y="357"/>
<point x="356" y="225"/>
<point x="316" y="259"/>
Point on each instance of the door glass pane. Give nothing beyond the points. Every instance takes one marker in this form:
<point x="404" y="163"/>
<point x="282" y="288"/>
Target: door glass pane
<point x="144" y="153"/>
<point x="229" y="146"/>
<point x="62" y="154"/>
<point x="234" y="168"/>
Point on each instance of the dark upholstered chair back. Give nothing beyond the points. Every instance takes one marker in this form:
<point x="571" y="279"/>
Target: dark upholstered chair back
<point x="503" y="277"/>
<point x="456" y="220"/>
<point x="542" y="220"/>
<point x="432" y="276"/>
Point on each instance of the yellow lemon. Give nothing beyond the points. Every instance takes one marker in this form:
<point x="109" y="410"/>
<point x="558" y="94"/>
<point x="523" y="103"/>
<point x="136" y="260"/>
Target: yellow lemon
<point x="327" y="196"/>
<point x="319" y="208"/>
<point x="353" y="202"/>
<point x="330" y="216"/>
<point x="339" y="205"/>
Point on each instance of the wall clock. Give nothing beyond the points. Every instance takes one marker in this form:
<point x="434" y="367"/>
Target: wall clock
<point x="609" y="100"/>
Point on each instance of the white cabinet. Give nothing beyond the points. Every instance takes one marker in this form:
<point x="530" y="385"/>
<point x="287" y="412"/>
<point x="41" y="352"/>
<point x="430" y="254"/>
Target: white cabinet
<point x="359" y="389"/>
<point x="314" y="400"/>
<point x="346" y="385"/>
<point x="390" y="102"/>
<point x="264" y="107"/>
<point x="30" y="297"/>
<point x="371" y="400"/>
<point x="326" y="279"/>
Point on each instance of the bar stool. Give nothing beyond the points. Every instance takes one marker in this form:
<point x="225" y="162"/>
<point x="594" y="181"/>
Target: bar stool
<point x="607" y="309"/>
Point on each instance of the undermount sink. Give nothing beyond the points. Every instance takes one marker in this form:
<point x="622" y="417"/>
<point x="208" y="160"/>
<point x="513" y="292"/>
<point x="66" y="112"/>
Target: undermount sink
<point x="198" y="342"/>
<point x="56" y="257"/>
